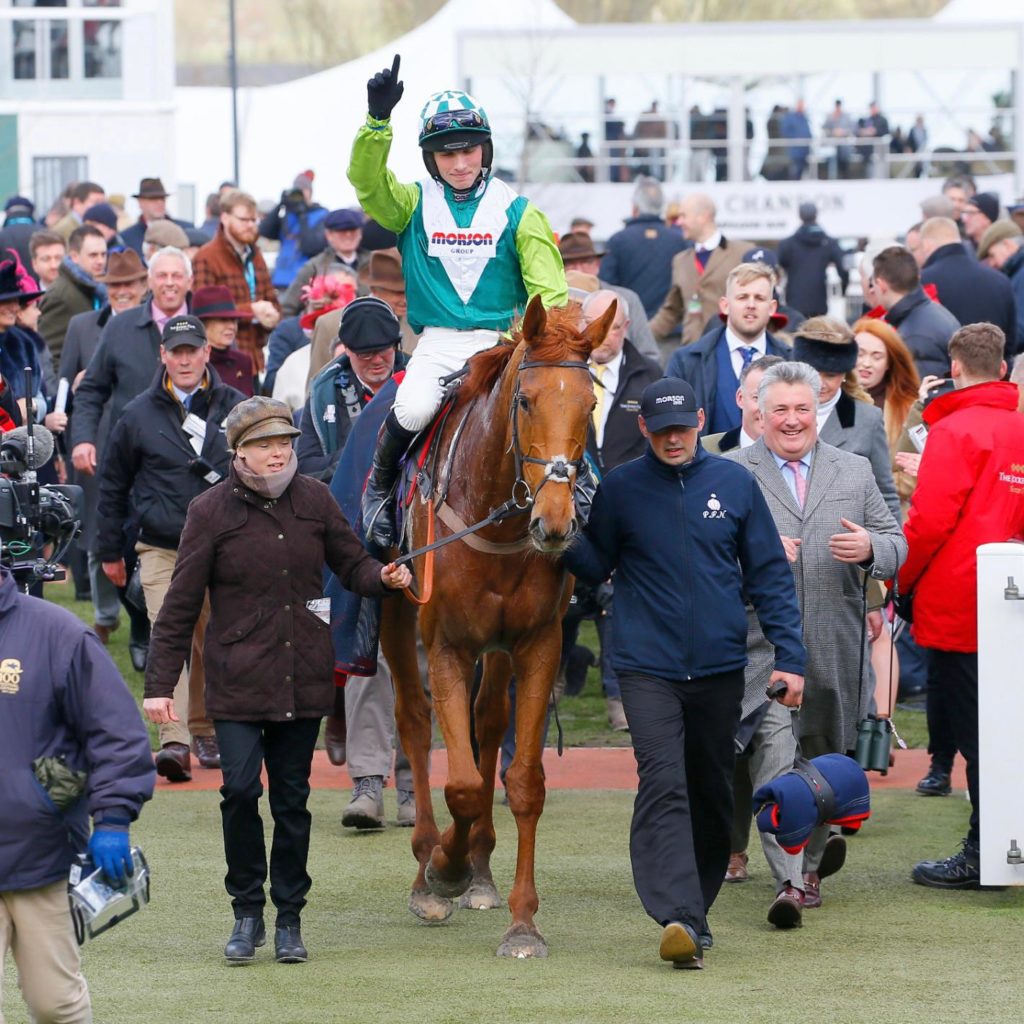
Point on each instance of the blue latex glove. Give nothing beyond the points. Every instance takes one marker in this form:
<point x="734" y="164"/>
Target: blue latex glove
<point x="111" y="851"/>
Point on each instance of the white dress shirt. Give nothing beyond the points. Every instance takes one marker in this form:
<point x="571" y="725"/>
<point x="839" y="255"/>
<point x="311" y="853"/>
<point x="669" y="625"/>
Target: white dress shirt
<point x="736" y="343"/>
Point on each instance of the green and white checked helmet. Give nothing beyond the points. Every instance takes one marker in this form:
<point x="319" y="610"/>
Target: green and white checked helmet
<point x="452" y="120"/>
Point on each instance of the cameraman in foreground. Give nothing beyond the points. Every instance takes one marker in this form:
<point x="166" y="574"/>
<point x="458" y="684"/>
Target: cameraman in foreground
<point x="167" y="448"/>
<point x="297" y="223"/>
<point x="72" y="744"/>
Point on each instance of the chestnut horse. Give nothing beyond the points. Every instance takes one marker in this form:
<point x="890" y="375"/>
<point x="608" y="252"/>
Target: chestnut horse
<point x="526" y="406"/>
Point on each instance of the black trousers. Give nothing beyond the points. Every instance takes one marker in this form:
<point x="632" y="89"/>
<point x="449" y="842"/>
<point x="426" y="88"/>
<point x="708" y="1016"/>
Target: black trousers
<point x="287" y="750"/>
<point x="953" y="686"/>
<point x="683" y="732"/>
<point x="941" y="732"/>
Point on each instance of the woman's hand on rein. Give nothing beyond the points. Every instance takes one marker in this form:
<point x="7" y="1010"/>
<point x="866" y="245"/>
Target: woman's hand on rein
<point x="396" y="577"/>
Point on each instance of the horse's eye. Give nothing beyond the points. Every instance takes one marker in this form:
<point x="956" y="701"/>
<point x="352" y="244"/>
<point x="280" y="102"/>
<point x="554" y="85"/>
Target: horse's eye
<point x="524" y="404"/>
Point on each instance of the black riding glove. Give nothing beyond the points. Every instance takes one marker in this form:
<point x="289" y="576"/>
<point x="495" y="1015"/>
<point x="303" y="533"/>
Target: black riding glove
<point x="383" y="91"/>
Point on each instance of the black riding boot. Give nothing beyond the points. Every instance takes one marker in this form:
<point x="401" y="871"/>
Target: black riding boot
<point x="583" y="494"/>
<point x="392" y="442"/>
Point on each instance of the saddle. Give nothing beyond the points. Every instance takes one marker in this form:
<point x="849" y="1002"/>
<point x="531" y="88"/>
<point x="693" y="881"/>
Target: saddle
<point x="426" y="473"/>
<point x="419" y="467"/>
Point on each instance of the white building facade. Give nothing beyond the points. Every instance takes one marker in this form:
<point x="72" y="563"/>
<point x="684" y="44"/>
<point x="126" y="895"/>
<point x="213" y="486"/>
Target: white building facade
<point x="86" y="93"/>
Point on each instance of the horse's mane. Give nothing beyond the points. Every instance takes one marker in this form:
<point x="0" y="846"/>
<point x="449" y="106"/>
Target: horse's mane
<point x="561" y="341"/>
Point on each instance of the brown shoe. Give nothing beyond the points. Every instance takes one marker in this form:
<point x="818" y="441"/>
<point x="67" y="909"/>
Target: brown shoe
<point x="737" y="870"/>
<point x="812" y="890"/>
<point x="787" y="909"/>
<point x="173" y="762"/>
<point x="334" y="738"/>
<point x="206" y="750"/>
<point x="680" y="945"/>
<point x="103" y="632"/>
<point x="617" y="715"/>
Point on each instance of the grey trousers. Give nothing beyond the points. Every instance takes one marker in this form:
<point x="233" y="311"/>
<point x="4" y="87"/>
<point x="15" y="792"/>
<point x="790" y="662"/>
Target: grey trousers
<point x="770" y="754"/>
<point x="815" y="746"/>
<point x="370" y="728"/>
<point x="106" y="605"/>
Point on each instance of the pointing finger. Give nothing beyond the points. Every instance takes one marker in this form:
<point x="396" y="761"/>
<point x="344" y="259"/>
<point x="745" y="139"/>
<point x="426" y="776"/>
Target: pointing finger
<point x="394" y="67"/>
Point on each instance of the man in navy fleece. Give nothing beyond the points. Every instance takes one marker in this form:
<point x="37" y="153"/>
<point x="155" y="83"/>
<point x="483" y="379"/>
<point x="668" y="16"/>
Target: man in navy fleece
<point x="690" y="540"/>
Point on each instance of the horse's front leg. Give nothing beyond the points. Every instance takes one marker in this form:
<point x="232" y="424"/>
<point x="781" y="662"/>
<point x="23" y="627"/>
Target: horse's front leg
<point x="412" y="713"/>
<point x="535" y="661"/>
<point x="491" y="717"/>
<point x="448" y="872"/>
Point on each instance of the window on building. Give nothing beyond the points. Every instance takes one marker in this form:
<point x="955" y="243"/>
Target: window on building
<point x="59" y="67"/>
<point x="50" y="174"/>
<point x="46" y="46"/>
<point x="102" y="49"/>
<point x="23" y="39"/>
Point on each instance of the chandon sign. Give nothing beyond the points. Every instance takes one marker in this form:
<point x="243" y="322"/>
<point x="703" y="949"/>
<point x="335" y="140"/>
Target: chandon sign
<point x="764" y="211"/>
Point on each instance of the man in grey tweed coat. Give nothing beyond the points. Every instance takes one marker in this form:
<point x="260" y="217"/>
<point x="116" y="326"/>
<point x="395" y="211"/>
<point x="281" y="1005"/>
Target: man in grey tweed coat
<point x="836" y="529"/>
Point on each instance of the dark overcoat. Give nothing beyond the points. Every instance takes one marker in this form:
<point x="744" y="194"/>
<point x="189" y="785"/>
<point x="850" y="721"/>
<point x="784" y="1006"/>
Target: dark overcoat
<point x="268" y="654"/>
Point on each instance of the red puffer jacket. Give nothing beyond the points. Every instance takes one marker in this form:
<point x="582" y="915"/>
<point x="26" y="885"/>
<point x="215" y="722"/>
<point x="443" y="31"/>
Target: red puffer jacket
<point x="970" y="491"/>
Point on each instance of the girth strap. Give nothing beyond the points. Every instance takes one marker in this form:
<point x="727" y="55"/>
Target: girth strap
<point x="453" y="521"/>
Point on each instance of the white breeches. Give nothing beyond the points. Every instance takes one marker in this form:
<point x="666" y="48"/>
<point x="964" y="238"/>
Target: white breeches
<point x="439" y="352"/>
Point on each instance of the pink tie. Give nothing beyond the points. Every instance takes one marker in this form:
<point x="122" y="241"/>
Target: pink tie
<point x="801" y="483"/>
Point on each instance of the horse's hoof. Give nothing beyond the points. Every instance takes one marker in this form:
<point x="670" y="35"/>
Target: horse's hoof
<point x="448" y="889"/>
<point x="430" y="908"/>
<point x="480" y="896"/>
<point x="523" y="943"/>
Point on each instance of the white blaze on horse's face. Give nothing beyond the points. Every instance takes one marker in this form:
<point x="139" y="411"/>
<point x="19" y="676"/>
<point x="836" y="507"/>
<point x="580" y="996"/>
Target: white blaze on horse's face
<point x="554" y="407"/>
<point x="554" y="402"/>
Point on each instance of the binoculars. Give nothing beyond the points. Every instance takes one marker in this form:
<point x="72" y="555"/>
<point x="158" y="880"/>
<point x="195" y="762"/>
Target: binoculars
<point x="874" y="742"/>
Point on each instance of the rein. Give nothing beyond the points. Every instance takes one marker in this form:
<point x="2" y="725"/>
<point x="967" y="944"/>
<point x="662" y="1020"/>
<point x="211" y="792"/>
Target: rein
<point x="557" y="470"/>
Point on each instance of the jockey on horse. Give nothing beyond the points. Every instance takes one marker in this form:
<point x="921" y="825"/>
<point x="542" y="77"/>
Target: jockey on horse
<point x="473" y="252"/>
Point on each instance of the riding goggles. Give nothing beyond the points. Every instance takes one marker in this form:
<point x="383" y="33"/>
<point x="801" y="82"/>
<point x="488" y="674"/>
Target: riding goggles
<point x="443" y="120"/>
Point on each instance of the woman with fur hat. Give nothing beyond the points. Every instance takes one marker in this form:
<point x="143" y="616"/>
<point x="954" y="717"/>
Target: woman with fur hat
<point x="257" y="542"/>
<point x="847" y="417"/>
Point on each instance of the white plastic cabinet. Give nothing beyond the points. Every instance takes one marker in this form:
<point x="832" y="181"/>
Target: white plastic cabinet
<point x="1001" y="711"/>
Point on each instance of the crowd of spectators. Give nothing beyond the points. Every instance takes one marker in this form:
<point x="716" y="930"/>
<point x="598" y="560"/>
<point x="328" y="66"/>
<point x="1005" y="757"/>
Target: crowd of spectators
<point x="146" y="334"/>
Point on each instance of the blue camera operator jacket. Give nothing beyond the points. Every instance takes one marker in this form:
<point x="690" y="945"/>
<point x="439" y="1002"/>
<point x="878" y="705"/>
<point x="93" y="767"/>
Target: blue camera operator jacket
<point x="61" y="696"/>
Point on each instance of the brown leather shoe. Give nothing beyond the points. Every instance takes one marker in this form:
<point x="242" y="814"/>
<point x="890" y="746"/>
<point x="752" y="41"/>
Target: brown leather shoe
<point x="787" y="909"/>
<point x="737" y="870"/>
<point x="103" y="632"/>
<point x="173" y="762"/>
<point x="812" y="890"/>
<point x="680" y="945"/>
<point x="206" y="750"/>
<point x="334" y="738"/>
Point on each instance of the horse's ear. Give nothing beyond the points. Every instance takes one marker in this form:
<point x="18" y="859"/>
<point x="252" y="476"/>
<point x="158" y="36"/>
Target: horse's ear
<point x="535" y="321"/>
<point x="595" y="334"/>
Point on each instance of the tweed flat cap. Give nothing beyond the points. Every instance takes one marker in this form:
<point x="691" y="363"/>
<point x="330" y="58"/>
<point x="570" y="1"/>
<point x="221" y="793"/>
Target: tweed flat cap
<point x="256" y="418"/>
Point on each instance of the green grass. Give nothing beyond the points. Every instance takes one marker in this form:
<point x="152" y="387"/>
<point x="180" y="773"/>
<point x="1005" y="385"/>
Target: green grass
<point x="881" y="950"/>
<point x="584" y="718"/>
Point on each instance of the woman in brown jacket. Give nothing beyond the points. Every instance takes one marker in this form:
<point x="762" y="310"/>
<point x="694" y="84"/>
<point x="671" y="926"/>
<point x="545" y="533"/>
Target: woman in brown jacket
<point x="258" y="542"/>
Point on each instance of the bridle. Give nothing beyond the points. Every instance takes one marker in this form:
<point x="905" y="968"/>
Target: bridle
<point x="559" y="469"/>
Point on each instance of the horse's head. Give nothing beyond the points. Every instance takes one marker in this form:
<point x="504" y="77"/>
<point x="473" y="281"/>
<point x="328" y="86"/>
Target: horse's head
<point x="553" y="400"/>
